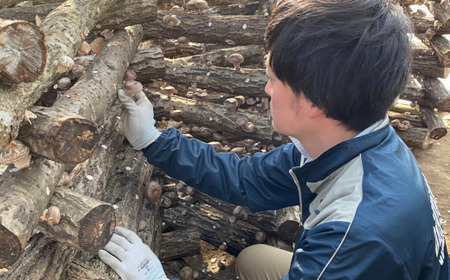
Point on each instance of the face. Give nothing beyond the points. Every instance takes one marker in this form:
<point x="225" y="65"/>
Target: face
<point x="285" y="106"/>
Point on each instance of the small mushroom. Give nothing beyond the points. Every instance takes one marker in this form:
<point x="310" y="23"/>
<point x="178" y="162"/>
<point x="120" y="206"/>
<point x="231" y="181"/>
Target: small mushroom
<point x="152" y="191"/>
<point x="176" y="9"/>
<point x="240" y="213"/>
<point x="16" y="153"/>
<point x="240" y="99"/>
<point x="183" y="40"/>
<point x="175" y="113"/>
<point x="223" y="246"/>
<point x="190" y="190"/>
<point x="241" y="122"/>
<point x="200" y="97"/>
<point x="78" y="70"/>
<point x="169" y="91"/>
<point x="240" y="151"/>
<point x="404" y="125"/>
<point x="171" y="20"/>
<point x="51" y="215"/>
<point x="141" y="225"/>
<point x="231" y="104"/>
<point x="260" y="237"/>
<point x="199" y="5"/>
<point x="249" y="127"/>
<point x="232" y="219"/>
<point x="216" y="144"/>
<point x="236" y="59"/>
<point x="218" y="135"/>
<point x="166" y="202"/>
<point x="251" y="101"/>
<point x="65" y="63"/>
<point x="132" y="87"/>
<point x="84" y="49"/>
<point x="186" y="273"/>
<point x="64" y="83"/>
<point x="84" y="62"/>
<point x="181" y="187"/>
<point x="130" y="75"/>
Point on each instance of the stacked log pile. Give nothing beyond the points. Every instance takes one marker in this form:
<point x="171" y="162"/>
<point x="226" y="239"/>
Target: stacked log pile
<point x="68" y="120"/>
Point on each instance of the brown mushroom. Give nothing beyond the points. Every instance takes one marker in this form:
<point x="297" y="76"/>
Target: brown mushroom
<point x="16" y="153"/>
<point x="236" y="59"/>
<point x="183" y="40"/>
<point x="130" y="75"/>
<point x="64" y="83"/>
<point x="65" y="63"/>
<point x="171" y="20"/>
<point x="186" y="273"/>
<point x="152" y="191"/>
<point x="84" y="49"/>
<point x="231" y="104"/>
<point x="132" y="87"/>
<point x="260" y="237"/>
<point x="169" y="91"/>
<point x="199" y="5"/>
<point x="97" y="44"/>
<point x="200" y="97"/>
<point x="240" y="99"/>
<point x="51" y="215"/>
<point x="78" y="70"/>
<point x="249" y="127"/>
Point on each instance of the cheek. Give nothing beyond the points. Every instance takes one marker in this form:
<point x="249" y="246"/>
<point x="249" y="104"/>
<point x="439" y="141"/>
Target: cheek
<point x="268" y="88"/>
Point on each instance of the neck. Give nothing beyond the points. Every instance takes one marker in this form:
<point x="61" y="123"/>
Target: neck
<point x="330" y="134"/>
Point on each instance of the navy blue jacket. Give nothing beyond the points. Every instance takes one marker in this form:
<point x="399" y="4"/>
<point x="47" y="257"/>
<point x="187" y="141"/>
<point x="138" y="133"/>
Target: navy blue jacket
<point x="367" y="210"/>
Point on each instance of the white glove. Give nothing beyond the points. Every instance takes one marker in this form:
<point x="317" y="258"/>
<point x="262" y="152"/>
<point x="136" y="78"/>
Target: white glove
<point x="139" y="124"/>
<point x="131" y="258"/>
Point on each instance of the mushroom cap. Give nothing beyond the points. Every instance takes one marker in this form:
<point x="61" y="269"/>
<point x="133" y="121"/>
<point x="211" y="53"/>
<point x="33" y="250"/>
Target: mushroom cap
<point x="235" y="58"/>
<point x="130" y="75"/>
<point x="64" y="83"/>
<point x="15" y="151"/>
<point x="132" y="87"/>
<point x="230" y="103"/>
<point x="152" y="191"/>
<point x="183" y="40"/>
<point x="201" y="4"/>
<point x="169" y="90"/>
<point x="240" y="99"/>
<point x="65" y="63"/>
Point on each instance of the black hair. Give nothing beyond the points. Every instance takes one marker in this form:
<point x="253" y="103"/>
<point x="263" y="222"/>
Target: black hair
<point x="348" y="57"/>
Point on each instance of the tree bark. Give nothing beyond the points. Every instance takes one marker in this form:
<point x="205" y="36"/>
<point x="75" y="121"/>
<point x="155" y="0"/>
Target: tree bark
<point x="23" y="53"/>
<point x="426" y="63"/>
<point x="23" y="198"/>
<point x="247" y="82"/>
<point x="416" y="137"/>
<point x="214" y="116"/>
<point x="78" y="270"/>
<point x="63" y="28"/>
<point x="434" y="123"/>
<point x="121" y="15"/>
<point x="242" y="30"/>
<point x="442" y="47"/>
<point x="179" y="243"/>
<point x="148" y="64"/>
<point x="86" y="223"/>
<point x="438" y="93"/>
<point x="60" y="136"/>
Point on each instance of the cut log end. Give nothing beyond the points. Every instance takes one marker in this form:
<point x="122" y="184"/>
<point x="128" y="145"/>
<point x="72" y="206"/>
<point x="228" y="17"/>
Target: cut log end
<point x="96" y="228"/>
<point x="11" y="247"/>
<point x="76" y="140"/>
<point x="23" y="53"/>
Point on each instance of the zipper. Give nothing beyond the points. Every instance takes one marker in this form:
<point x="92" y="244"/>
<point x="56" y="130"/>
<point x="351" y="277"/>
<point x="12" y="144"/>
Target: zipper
<point x="294" y="177"/>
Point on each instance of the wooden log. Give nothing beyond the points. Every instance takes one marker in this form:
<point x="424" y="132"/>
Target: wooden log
<point x="135" y="12"/>
<point x="434" y="123"/>
<point x="249" y="8"/>
<point x="96" y="90"/>
<point x="125" y="191"/>
<point x="435" y="90"/>
<point x="86" y="223"/>
<point x="179" y="243"/>
<point x="242" y="30"/>
<point x="45" y="258"/>
<point x="63" y="29"/>
<point x="172" y="49"/>
<point x="79" y="270"/>
<point x="41" y="260"/>
<point x="59" y="136"/>
<point x="247" y="82"/>
<point x="253" y="54"/>
<point x="148" y="64"/>
<point x="265" y="220"/>
<point x="416" y="137"/>
<point x="442" y="47"/>
<point x="23" y="198"/>
<point x="23" y="53"/>
<point x="288" y="223"/>
<point x="440" y="13"/>
<point x="425" y="62"/>
<point x="414" y="92"/>
<point x="213" y="116"/>
<point x="213" y="225"/>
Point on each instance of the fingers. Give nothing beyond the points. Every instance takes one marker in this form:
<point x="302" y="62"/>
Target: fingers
<point x="127" y="101"/>
<point x="121" y="241"/>
<point x="111" y="261"/>
<point x="131" y="236"/>
<point x="116" y="250"/>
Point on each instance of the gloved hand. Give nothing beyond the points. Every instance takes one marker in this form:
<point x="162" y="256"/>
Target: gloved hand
<point x="131" y="258"/>
<point x="139" y="124"/>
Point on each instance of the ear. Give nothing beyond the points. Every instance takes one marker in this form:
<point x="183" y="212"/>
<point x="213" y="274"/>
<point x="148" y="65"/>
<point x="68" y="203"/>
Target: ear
<point x="315" y="111"/>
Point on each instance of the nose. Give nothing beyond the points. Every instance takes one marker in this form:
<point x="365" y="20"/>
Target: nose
<point x="268" y="88"/>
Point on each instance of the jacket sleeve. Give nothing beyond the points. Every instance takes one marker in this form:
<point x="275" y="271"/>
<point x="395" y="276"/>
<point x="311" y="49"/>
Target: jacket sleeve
<point x="261" y="182"/>
<point x="336" y="250"/>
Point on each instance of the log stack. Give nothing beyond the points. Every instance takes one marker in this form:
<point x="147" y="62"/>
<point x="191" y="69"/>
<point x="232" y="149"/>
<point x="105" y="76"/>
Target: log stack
<point x="68" y="118"/>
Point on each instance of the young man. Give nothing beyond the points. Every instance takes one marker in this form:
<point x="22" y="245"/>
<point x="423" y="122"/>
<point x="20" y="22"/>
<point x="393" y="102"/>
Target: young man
<point x="334" y="69"/>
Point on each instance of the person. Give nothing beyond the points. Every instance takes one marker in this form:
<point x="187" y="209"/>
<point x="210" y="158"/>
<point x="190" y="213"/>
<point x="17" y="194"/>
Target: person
<point x="334" y="69"/>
